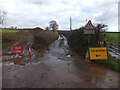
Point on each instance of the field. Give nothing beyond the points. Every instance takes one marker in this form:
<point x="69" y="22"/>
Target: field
<point x="113" y="63"/>
<point x="113" y="37"/>
<point x="8" y="38"/>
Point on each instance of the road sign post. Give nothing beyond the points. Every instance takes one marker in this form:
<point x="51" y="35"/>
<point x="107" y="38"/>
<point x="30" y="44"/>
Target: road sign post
<point x="89" y="30"/>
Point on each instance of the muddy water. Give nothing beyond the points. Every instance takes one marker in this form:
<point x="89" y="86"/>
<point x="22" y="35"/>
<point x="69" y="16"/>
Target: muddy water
<point x="58" y="67"/>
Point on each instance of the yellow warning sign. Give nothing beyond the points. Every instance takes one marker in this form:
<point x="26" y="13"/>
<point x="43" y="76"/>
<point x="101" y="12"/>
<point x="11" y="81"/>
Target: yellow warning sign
<point x="98" y="53"/>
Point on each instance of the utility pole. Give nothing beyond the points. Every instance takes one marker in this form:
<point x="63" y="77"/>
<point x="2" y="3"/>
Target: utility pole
<point x="70" y="24"/>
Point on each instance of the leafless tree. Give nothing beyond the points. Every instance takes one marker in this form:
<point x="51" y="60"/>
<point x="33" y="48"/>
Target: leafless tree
<point x="47" y="28"/>
<point x="53" y="25"/>
<point x="2" y="17"/>
<point x="100" y="28"/>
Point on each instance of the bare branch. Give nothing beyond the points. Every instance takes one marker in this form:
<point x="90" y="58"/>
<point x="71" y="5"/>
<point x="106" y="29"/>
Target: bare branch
<point x="53" y="25"/>
<point x="2" y="17"/>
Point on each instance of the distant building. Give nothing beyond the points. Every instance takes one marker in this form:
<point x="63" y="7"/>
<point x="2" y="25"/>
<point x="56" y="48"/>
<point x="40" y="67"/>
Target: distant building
<point x="38" y="28"/>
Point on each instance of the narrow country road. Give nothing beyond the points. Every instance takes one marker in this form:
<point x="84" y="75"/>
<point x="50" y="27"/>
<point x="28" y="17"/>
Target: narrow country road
<point x="58" y="67"/>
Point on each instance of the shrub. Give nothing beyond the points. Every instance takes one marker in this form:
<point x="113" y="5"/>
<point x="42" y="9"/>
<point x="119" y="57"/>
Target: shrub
<point x="44" y="38"/>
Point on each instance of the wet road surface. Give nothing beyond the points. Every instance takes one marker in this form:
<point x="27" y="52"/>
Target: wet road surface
<point x="58" y="67"/>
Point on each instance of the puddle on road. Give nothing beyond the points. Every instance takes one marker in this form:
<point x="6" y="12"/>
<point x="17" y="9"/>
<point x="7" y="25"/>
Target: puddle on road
<point x="101" y="76"/>
<point x="56" y="66"/>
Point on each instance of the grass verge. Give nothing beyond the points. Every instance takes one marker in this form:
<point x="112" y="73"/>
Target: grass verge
<point x="78" y="42"/>
<point x="111" y="63"/>
<point x="112" y="36"/>
<point x="8" y="38"/>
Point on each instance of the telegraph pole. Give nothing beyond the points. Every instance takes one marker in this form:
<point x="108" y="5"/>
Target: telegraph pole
<point x="70" y="24"/>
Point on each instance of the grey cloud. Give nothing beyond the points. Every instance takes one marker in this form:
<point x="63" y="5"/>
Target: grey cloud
<point x="31" y="13"/>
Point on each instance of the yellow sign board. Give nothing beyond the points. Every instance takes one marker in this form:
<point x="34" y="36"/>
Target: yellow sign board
<point x="98" y="53"/>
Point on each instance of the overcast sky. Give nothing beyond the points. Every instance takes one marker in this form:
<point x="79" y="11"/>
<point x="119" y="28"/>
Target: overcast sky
<point x="38" y="13"/>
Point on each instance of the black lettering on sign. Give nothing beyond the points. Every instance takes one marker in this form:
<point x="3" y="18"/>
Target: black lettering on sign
<point x="102" y="50"/>
<point x="98" y="55"/>
<point x="96" y="50"/>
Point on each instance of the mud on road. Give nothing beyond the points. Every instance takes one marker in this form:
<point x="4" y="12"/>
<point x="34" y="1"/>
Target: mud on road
<point x="58" y="67"/>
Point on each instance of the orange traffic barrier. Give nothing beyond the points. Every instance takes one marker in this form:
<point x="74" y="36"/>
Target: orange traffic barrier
<point x="87" y="58"/>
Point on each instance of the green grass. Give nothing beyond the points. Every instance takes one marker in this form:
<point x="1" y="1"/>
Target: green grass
<point x="113" y="37"/>
<point x="6" y="45"/>
<point x="44" y="38"/>
<point x="9" y="31"/>
<point x="8" y="38"/>
<point x="111" y="63"/>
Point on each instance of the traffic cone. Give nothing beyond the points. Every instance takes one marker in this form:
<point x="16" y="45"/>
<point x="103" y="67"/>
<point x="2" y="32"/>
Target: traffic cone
<point x="30" y="53"/>
<point x="87" y="58"/>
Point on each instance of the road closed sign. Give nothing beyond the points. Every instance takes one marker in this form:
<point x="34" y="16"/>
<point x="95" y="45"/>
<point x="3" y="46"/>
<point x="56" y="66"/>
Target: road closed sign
<point x="17" y="49"/>
<point x="98" y="53"/>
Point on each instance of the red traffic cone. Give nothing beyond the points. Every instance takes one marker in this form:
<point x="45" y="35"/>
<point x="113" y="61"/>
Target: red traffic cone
<point x="87" y="58"/>
<point x="30" y="53"/>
